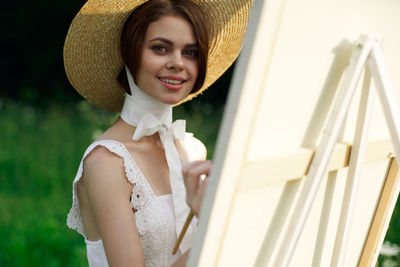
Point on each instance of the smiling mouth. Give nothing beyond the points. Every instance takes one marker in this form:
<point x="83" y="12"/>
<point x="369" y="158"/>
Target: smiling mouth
<point x="175" y="82"/>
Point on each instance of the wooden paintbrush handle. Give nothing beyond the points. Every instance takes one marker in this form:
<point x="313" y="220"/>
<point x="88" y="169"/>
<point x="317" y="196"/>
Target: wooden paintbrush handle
<point x="183" y="231"/>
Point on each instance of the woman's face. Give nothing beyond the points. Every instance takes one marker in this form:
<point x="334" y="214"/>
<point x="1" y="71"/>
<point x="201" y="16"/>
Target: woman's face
<point x="169" y="62"/>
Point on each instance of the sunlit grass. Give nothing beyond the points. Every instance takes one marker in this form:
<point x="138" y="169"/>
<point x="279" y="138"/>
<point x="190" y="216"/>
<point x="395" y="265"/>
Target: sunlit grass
<point x="39" y="152"/>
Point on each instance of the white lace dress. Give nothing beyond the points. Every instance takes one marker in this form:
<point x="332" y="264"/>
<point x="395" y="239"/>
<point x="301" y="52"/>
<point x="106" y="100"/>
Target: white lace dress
<point x="154" y="214"/>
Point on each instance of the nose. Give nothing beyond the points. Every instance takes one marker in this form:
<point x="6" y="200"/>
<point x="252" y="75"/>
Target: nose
<point x="176" y="62"/>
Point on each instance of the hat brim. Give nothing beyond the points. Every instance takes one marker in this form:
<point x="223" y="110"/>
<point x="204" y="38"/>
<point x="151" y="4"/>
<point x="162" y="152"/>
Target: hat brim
<point x="92" y="58"/>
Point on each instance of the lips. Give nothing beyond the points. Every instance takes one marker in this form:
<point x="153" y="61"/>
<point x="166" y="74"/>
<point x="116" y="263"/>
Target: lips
<point x="172" y="82"/>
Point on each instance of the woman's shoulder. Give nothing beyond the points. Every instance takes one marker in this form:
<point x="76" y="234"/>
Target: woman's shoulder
<point x="101" y="163"/>
<point x="101" y="155"/>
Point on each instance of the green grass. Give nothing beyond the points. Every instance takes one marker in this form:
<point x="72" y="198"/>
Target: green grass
<point x="40" y="151"/>
<point x="39" y="154"/>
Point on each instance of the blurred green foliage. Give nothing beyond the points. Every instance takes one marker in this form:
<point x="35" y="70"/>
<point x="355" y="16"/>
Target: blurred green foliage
<point x="38" y="157"/>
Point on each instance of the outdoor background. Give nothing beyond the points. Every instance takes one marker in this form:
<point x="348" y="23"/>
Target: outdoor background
<point x="45" y="127"/>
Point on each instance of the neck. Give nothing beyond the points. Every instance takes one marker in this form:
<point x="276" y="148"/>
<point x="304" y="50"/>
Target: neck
<point x="139" y="104"/>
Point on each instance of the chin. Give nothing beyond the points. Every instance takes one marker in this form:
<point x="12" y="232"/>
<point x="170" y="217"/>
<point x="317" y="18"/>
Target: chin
<point x="171" y="101"/>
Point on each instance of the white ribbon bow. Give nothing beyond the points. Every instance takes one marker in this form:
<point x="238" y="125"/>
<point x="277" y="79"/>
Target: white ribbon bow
<point x="149" y="125"/>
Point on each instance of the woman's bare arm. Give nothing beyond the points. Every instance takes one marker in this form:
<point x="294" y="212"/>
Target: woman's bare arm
<point x="108" y="192"/>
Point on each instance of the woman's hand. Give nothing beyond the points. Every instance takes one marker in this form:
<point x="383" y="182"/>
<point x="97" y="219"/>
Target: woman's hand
<point x="195" y="186"/>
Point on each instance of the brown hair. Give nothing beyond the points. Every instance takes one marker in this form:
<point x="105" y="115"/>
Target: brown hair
<point x="135" y="28"/>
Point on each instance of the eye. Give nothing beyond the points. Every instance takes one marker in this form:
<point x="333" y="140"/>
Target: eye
<point x="191" y="53"/>
<point x="159" y="49"/>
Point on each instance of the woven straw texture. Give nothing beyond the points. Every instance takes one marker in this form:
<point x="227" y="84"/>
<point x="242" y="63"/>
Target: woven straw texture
<point x="91" y="50"/>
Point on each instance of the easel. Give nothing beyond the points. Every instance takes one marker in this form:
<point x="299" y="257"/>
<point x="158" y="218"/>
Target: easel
<point x="367" y="55"/>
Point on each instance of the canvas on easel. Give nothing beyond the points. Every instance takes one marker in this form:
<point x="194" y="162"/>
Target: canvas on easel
<point x="294" y="60"/>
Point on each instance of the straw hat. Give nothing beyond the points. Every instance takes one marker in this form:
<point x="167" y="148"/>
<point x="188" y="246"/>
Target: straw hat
<point x="92" y="48"/>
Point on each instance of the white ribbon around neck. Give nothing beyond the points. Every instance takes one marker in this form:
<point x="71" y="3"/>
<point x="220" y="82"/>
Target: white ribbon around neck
<point x="151" y="116"/>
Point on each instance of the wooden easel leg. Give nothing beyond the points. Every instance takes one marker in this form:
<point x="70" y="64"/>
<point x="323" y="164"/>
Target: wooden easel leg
<point x="383" y="213"/>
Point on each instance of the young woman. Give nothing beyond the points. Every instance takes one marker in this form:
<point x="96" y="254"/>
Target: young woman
<point x="128" y="194"/>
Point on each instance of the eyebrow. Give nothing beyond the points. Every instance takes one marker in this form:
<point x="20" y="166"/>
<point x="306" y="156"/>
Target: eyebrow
<point x="171" y="43"/>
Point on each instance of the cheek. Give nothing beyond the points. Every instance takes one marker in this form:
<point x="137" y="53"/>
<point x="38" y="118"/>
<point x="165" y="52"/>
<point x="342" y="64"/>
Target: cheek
<point x="193" y="69"/>
<point x="147" y="66"/>
<point x="150" y="63"/>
